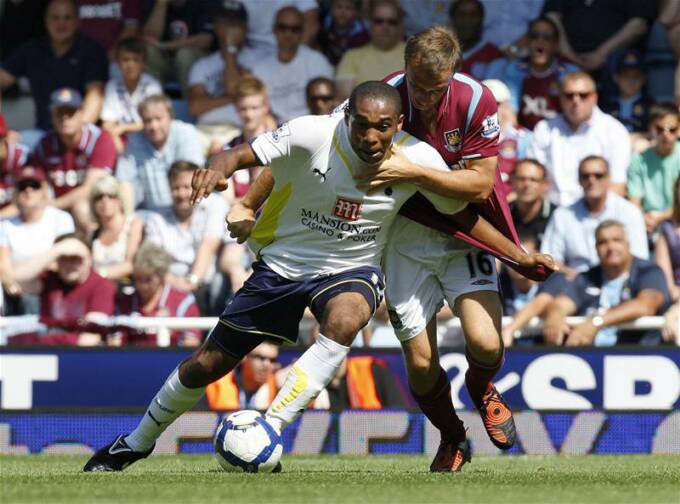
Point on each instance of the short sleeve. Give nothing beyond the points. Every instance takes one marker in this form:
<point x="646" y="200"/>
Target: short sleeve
<point x="481" y="137"/>
<point x="104" y="153"/>
<point x="634" y="185"/>
<point x="307" y="133"/>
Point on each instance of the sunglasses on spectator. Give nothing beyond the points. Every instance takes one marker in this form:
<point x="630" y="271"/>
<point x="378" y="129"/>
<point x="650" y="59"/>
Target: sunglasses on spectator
<point x="382" y="20"/>
<point x="321" y="98"/>
<point x="665" y="129"/>
<point x="33" y="184"/>
<point x="101" y="196"/>
<point x="271" y="360"/>
<point x="535" y="35"/>
<point x="535" y="180"/>
<point x="582" y="95"/>
<point x="596" y="175"/>
<point x="290" y="28"/>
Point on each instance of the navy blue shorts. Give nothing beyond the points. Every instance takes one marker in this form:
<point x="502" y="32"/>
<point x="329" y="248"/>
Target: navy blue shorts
<point x="269" y="306"/>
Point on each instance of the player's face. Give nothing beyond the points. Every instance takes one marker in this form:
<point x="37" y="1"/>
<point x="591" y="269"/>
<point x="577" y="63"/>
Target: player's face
<point x="263" y="362"/>
<point x="594" y="179"/>
<point x="130" y="64"/>
<point x="343" y="12"/>
<point x="386" y="27"/>
<point x="288" y="30"/>
<point x="61" y="21"/>
<point x="180" y="190"/>
<point x="147" y="283"/>
<point x="66" y="121"/>
<point x="542" y="43"/>
<point x="612" y="246"/>
<point x="156" y="119"/>
<point x="425" y="92"/>
<point x="253" y="111"/>
<point x="578" y="99"/>
<point x="528" y="182"/>
<point x="665" y="133"/>
<point x="372" y="128"/>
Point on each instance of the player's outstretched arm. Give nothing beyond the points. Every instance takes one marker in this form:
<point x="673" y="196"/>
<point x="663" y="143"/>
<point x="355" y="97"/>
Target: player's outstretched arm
<point x="220" y="167"/>
<point x="241" y="217"/>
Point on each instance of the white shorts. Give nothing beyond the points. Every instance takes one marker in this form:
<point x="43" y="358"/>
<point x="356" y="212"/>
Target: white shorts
<point x="423" y="268"/>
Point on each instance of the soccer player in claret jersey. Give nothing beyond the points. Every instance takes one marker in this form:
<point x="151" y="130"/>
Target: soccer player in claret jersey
<point x="319" y="240"/>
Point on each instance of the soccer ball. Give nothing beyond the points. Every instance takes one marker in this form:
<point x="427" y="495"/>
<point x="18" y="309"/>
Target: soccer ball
<point x="246" y="442"/>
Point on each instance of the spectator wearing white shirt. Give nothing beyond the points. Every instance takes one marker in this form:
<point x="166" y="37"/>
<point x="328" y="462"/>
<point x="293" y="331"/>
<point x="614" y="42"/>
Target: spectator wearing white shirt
<point x="32" y="232"/>
<point x="126" y="90"/>
<point x="287" y="71"/>
<point x="213" y="79"/>
<point x="570" y="235"/>
<point x="581" y="130"/>
<point x="151" y="152"/>
<point x="191" y="235"/>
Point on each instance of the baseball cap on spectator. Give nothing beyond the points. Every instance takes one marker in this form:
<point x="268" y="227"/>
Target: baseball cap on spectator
<point x="498" y="89"/>
<point x="630" y="59"/>
<point x="65" y="98"/>
<point x="29" y="173"/>
<point x="232" y="10"/>
<point x="3" y="126"/>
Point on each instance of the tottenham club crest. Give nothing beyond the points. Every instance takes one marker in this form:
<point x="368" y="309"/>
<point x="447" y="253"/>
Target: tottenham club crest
<point x="452" y="140"/>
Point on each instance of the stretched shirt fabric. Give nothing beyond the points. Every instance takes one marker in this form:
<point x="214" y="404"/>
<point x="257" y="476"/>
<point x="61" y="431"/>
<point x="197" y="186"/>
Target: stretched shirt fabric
<point x="467" y="128"/>
<point x="316" y="221"/>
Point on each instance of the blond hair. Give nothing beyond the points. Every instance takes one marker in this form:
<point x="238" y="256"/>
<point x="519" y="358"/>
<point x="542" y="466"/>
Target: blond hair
<point x="250" y="86"/>
<point x="151" y="258"/>
<point x="109" y="185"/>
<point x="433" y="51"/>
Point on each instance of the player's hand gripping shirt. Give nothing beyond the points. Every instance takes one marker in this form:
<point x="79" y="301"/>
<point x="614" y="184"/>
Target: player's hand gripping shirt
<point x="316" y="221"/>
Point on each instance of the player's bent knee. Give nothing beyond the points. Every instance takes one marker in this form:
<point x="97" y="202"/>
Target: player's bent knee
<point x="486" y="350"/>
<point x="344" y="317"/>
<point x="206" y="365"/>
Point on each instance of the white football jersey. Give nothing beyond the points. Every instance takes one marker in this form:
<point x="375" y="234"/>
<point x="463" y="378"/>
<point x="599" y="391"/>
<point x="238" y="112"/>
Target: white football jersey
<point x="316" y="221"/>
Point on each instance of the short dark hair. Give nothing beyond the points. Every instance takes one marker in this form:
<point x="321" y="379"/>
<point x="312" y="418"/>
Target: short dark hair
<point x="181" y="167"/>
<point x="607" y="223"/>
<point x="376" y="90"/>
<point x="593" y="157"/>
<point x="456" y="3"/>
<point x="662" y="109"/>
<point x="546" y="20"/>
<point x="319" y="80"/>
<point x="131" y="44"/>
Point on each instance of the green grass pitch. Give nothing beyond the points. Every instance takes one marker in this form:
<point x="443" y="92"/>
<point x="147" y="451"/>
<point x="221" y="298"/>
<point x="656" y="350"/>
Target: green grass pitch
<point x="337" y="479"/>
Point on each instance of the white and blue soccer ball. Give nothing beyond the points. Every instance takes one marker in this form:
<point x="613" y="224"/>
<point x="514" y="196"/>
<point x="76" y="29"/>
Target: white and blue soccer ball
<point x="246" y="442"/>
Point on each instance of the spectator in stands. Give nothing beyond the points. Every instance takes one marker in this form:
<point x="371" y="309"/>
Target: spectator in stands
<point x="531" y="210"/>
<point x="29" y="234"/>
<point x="364" y="382"/>
<point x="668" y="245"/>
<point x="513" y="139"/>
<point x="151" y="152"/>
<point x="320" y="95"/>
<point x="630" y="104"/>
<point x="287" y="71"/>
<point x="593" y="31"/>
<point x="342" y="29"/>
<point x="652" y="173"/>
<point x="252" y="385"/>
<point x="126" y="90"/>
<point x="61" y="59"/>
<point x="261" y="19"/>
<point x="109" y="21"/>
<point x="534" y="81"/>
<point x="191" y="235"/>
<point x="420" y="15"/>
<point x="481" y="59"/>
<point x="382" y="56"/>
<point x="154" y="297"/>
<point x="505" y="24"/>
<point x="178" y="32"/>
<point x="70" y="297"/>
<point x="213" y="79"/>
<point x="620" y="289"/>
<point x="74" y="155"/>
<point x="13" y="157"/>
<point x="118" y="233"/>
<point x="580" y="130"/>
<point x="570" y="236"/>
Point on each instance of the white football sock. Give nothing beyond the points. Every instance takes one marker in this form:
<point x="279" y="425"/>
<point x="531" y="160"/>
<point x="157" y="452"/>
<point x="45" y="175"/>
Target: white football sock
<point x="172" y="400"/>
<point x="310" y="374"/>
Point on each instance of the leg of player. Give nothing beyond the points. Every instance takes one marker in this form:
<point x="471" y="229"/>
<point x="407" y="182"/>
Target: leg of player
<point x="480" y="314"/>
<point x="180" y="392"/>
<point x="431" y="389"/>
<point x="343" y="317"/>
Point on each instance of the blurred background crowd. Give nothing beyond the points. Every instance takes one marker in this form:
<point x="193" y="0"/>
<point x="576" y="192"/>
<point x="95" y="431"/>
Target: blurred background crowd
<point x="109" y="105"/>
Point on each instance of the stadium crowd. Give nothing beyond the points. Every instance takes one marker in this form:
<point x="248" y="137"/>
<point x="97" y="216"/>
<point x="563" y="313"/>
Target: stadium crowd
<point x="110" y="105"/>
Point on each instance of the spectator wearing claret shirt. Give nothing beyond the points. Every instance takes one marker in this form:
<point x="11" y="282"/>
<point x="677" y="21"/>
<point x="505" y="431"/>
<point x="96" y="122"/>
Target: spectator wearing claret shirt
<point x="287" y="71"/>
<point x="481" y="58"/>
<point x="13" y="157"/>
<point x="74" y="155"/>
<point x="154" y="297"/>
<point x="70" y="296"/>
<point x="61" y="59"/>
<point x="534" y="81"/>
<point x="109" y="21"/>
<point x="342" y="29"/>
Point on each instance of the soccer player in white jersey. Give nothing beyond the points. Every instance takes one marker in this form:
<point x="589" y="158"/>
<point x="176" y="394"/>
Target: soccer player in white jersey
<point x="319" y="241"/>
